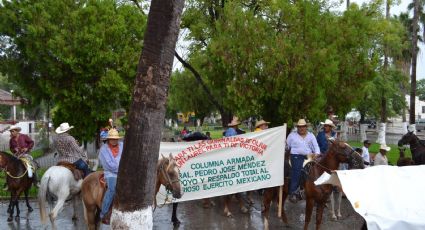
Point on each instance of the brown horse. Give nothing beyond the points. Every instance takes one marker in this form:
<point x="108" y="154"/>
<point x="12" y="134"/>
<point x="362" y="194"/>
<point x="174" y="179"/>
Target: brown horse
<point x="17" y="181"/>
<point x="92" y="190"/>
<point x="271" y="194"/>
<point x="339" y="152"/>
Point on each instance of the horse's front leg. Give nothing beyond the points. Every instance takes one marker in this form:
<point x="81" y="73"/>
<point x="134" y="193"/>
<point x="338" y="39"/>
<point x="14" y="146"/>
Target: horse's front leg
<point x="339" y="205"/>
<point x="174" y="219"/>
<point x="30" y="209"/>
<point x="308" y="210"/>
<point x="319" y="214"/>
<point x="74" y="205"/>
<point x="9" y="209"/>
<point x="18" y="212"/>
<point x="333" y="206"/>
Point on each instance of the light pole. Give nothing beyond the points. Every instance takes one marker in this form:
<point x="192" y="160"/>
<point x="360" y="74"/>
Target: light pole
<point x="14" y="106"/>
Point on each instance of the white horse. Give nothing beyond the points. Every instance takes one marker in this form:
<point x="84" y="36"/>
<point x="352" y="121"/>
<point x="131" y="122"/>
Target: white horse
<point x="57" y="184"/>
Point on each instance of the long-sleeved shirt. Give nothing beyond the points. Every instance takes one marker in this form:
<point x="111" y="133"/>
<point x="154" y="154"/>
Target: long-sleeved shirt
<point x="68" y="148"/>
<point x="365" y="155"/>
<point x="323" y="141"/>
<point x="109" y="162"/>
<point x="17" y="144"/>
<point x="380" y="159"/>
<point x="230" y="132"/>
<point x="302" y="145"/>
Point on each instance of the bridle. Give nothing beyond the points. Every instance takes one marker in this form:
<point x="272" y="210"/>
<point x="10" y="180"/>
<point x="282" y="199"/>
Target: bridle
<point x="164" y="173"/>
<point x="9" y="174"/>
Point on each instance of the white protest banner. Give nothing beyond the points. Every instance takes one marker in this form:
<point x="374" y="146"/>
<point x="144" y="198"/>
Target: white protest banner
<point x="387" y="197"/>
<point x="210" y="168"/>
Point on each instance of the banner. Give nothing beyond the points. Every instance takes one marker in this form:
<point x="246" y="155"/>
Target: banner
<point x="387" y="197"/>
<point x="210" y="168"/>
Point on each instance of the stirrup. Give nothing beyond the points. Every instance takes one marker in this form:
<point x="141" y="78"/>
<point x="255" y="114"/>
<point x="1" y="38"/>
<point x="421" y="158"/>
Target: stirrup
<point x="6" y="188"/>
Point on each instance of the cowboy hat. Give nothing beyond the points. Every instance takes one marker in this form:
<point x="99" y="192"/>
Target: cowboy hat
<point x="64" y="127"/>
<point x="385" y="147"/>
<point x="113" y="134"/>
<point x="261" y="122"/>
<point x="234" y="122"/>
<point x="14" y="127"/>
<point x="301" y="122"/>
<point x="328" y="122"/>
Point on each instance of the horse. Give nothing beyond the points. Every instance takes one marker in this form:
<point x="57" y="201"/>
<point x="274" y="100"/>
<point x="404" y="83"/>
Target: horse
<point x="93" y="191"/>
<point x="17" y="181"/>
<point x="338" y="152"/>
<point x="402" y="160"/>
<point x="57" y="184"/>
<point x="417" y="147"/>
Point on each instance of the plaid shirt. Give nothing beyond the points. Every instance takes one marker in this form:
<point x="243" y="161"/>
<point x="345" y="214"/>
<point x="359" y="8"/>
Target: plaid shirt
<point x="68" y="148"/>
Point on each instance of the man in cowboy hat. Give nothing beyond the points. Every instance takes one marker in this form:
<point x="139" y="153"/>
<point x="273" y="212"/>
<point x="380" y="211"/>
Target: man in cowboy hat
<point x="20" y="145"/>
<point x="300" y="144"/>
<point x="325" y="134"/>
<point x="261" y="125"/>
<point x="69" y="150"/>
<point x="381" y="157"/>
<point x="109" y="157"/>
<point x="233" y="127"/>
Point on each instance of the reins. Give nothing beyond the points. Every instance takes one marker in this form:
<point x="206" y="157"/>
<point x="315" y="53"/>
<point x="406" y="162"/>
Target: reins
<point x="14" y="177"/>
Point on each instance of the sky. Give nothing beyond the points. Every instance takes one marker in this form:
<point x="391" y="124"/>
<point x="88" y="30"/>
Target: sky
<point x="395" y="10"/>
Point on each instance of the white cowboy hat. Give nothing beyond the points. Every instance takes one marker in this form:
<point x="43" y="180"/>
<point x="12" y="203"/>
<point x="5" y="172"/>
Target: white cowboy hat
<point x="113" y="134"/>
<point x="64" y="127"/>
<point x="328" y="122"/>
<point x="301" y="122"/>
<point x="14" y="127"/>
<point x="261" y="122"/>
<point x="385" y="147"/>
<point x="234" y="122"/>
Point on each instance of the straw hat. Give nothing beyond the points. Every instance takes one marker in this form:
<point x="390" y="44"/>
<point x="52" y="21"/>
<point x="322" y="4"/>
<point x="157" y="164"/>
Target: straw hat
<point x="301" y="122"/>
<point x="385" y="147"/>
<point x="64" y="127"/>
<point x="234" y="122"/>
<point x="14" y="127"/>
<point x="113" y="134"/>
<point x="328" y="122"/>
<point x="261" y="122"/>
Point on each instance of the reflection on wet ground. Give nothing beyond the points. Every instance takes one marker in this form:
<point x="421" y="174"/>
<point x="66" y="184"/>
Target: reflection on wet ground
<point x="193" y="216"/>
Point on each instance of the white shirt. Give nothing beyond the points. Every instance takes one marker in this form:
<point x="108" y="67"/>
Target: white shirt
<point x="365" y="155"/>
<point x="380" y="159"/>
<point x="302" y="145"/>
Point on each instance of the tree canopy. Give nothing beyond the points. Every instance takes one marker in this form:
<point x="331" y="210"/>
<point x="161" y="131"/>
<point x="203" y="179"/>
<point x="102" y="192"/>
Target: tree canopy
<point x="79" y="56"/>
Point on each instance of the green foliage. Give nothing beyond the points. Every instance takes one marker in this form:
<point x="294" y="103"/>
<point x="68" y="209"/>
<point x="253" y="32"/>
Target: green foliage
<point x="420" y="89"/>
<point x="282" y="59"/>
<point x="78" y="56"/>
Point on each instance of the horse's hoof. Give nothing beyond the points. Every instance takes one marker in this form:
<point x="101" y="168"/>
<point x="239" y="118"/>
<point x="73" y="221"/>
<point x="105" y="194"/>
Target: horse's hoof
<point x="17" y="218"/>
<point x="30" y="209"/>
<point x="176" y="223"/>
<point x="244" y="210"/>
<point x="334" y="218"/>
<point x="9" y="219"/>
<point x="229" y="214"/>
<point x="74" y="218"/>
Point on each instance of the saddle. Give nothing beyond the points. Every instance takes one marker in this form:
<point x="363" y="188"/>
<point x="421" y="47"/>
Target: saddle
<point x="29" y="164"/>
<point x="78" y="174"/>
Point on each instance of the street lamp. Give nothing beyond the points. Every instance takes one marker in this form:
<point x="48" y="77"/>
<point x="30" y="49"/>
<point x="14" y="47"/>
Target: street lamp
<point x="14" y="106"/>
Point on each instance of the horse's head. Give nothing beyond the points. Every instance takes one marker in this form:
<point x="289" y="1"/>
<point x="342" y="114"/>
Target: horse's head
<point x="168" y="175"/>
<point x="407" y="138"/>
<point x="4" y="159"/>
<point x="345" y="154"/>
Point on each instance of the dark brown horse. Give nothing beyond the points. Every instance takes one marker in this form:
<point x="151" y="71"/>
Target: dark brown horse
<point x="338" y="152"/>
<point x="17" y="181"/>
<point x="417" y="147"/>
<point x="402" y="159"/>
<point x="92" y="189"/>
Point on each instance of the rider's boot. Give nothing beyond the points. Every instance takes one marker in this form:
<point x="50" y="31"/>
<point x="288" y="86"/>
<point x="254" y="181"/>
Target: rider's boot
<point x="107" y="218"/>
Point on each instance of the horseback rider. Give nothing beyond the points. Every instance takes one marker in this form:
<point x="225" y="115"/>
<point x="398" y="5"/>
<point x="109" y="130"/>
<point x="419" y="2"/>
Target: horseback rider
<point x="20" y="145"/>
<point x="300" y="143"/>
<point x="109" y="157"/>
<point x="325" y="134"/>
<point x="69" y="150"/>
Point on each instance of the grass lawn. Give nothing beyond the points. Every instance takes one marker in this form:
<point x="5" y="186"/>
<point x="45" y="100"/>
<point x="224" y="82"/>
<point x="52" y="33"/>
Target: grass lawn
<point x="392" y="155"/>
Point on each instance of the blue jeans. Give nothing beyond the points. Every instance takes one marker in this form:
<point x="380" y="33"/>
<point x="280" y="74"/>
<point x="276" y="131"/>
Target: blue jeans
<point x="82" y="165"/>
<point x="109" y="195"/>
<point x="297" y="165"/>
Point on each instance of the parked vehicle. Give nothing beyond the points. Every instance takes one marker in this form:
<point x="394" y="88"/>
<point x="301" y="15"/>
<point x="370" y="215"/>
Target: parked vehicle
<point x="371" y="123"/>
<point x="420" y="125"/>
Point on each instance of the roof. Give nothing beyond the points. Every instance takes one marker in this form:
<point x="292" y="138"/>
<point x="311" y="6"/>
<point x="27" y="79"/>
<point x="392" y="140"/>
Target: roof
<point x="7" y="99"/>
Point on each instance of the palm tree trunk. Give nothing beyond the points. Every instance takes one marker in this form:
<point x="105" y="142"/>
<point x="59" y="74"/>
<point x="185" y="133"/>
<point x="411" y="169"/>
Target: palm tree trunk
<point x="137" y="172"/>
<point x="414" y="61"/>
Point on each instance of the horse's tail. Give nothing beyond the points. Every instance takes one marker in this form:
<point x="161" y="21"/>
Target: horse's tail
<point x="42" y="192"/>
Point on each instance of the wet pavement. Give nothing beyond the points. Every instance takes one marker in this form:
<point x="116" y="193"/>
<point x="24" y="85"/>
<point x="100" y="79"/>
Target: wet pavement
<point x="193" y="216"/>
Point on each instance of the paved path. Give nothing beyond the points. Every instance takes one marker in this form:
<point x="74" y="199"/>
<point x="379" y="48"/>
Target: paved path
<point x="193" y="216"/>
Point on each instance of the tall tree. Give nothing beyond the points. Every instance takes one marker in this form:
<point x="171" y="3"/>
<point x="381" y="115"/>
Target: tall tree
<point x="415" y="29"/>
<point x="133" y="201"/>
